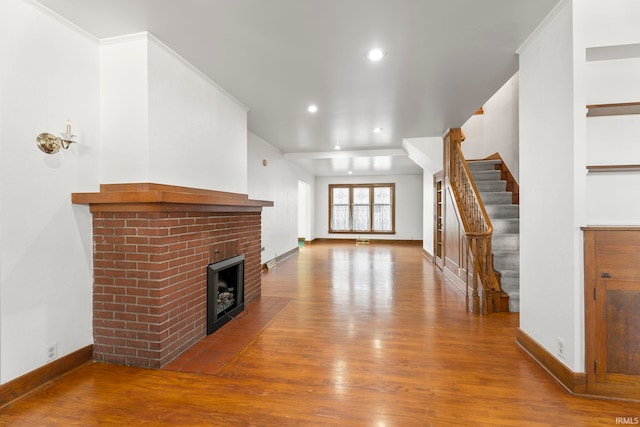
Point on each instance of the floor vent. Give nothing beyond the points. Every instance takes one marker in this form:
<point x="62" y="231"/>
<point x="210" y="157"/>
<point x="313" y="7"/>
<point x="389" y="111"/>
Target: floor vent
<point x="271" y="264"/>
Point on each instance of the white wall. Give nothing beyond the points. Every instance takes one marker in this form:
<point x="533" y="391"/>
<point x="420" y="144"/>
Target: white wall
<point x="428" y="154"/>
<point x="308" y="180"/>
<point x="165" y="122"/>
<point x="408" y="205"/>
<point x="141" y="114"/>
<point x="496" y="131"/>
<point x="124" y="110"/>
<point x="610" y="23"/>
<point x="277" y="182"/>
<point x="550" y="252"/>
<point x="49" y="73"/>
<point x="305" y="210"/>
<point x="197" y="132"/>
<point x="556" y="82"/>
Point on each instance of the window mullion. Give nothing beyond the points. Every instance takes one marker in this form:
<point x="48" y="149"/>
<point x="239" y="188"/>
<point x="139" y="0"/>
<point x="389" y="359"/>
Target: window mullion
<point x="371" y="194"/>
<point x="348" y="207"/>
<point x="351" y="209"/>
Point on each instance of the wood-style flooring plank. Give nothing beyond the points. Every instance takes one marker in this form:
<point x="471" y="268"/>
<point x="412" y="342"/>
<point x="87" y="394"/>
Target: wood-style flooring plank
<point x="373" y="336"/>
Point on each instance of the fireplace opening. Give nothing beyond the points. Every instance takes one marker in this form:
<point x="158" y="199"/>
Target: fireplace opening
<point x="225" y="291"/>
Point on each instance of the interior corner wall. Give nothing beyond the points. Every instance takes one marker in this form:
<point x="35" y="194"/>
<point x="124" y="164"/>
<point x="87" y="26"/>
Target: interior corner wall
<point x="549" y="282"/>
<point x="305" y="211"/>
<point x="163" y="121"/>
<point x="274" y="181"/>
<point x="50" y="73"/>
<point x="426" y="152"/>
<point x="409" y="217"/>
<point x="428" y="214"/>
<point x="497" y="129"/>
<point x="307" y="179"/>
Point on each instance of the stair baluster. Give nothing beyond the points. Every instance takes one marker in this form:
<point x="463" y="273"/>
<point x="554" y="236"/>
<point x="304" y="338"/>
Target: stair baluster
<point x="485" y="286"/>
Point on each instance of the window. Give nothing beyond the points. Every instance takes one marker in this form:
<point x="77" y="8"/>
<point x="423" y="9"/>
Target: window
<point x="361" y="208"/>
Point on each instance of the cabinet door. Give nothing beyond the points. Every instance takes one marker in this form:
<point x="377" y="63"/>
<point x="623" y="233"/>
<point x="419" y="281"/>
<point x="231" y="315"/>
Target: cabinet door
<point x="616" y="368"/>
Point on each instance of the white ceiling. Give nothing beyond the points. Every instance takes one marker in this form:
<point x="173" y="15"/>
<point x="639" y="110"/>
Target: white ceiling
<point x="444" y="59"/>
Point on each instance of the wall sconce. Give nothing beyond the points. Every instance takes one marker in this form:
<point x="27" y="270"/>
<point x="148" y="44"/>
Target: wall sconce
<point x="51" y="144"/>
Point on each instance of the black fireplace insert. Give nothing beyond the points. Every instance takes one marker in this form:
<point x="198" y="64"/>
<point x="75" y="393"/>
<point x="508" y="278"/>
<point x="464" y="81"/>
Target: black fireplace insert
<point x="225" y="291"/>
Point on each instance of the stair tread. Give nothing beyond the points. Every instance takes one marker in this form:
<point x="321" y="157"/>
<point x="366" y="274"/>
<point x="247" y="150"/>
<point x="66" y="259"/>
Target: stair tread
<point x="488" y="164"/>
<point x="486" y="175"/>
<point x="494" y="161"/>
<point x="510" y="273"/>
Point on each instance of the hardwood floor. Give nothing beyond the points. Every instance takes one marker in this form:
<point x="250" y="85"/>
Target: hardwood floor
<point x="372" y="336"/>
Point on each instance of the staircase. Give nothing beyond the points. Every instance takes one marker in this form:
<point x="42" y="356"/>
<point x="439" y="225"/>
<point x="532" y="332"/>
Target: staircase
<point x="504" y="216"/>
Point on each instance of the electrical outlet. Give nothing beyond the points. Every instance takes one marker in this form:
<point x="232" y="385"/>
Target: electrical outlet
<point x="561" y="348"/>
<point x="52" y="352"/>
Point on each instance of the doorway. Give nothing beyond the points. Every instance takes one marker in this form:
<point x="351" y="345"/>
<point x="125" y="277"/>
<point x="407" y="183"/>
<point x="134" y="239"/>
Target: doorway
<point x="304" y="212"/>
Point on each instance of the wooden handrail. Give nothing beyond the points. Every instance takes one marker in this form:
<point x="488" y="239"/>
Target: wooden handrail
<point x="477" y="227"/>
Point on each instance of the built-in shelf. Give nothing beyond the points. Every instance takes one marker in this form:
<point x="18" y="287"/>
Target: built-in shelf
<point x="613" y="168"/>
<point x="595" y="110"/>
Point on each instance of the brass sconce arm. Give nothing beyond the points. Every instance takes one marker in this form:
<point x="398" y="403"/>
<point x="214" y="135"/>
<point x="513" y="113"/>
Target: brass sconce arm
<point x="51" y="144"/>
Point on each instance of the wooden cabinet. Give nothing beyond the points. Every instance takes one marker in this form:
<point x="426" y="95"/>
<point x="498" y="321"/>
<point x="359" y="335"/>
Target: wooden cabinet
<point x="612" y="311"/>
<point x="438" y="217"/>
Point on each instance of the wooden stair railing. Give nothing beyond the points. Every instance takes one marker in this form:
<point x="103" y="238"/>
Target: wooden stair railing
<point x="485" y="286"/>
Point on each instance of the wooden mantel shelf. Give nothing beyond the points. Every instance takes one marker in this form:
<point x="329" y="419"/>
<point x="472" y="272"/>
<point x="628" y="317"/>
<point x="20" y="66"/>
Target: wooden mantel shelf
<point x="145" y="197"/>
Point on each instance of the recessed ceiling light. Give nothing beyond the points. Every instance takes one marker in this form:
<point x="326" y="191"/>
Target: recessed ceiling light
<point x="349" y="172"/>
<point x="336" y="147"/>
<point x="376" y="130"/>
<point x="376" y="54"/>
<point x="312" y="108"/>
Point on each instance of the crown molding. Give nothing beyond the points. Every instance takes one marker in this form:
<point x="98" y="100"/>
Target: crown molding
<point x="147" y="36"/>
<point x="61" y="20"/>
<point x="543" y="25"/>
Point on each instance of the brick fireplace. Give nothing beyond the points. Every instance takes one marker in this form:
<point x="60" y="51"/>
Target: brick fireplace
<point x="152" y="245"/>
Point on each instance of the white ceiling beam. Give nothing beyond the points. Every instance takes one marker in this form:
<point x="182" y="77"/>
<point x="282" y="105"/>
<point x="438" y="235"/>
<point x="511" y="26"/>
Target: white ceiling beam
<point x="394" y="152"/>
